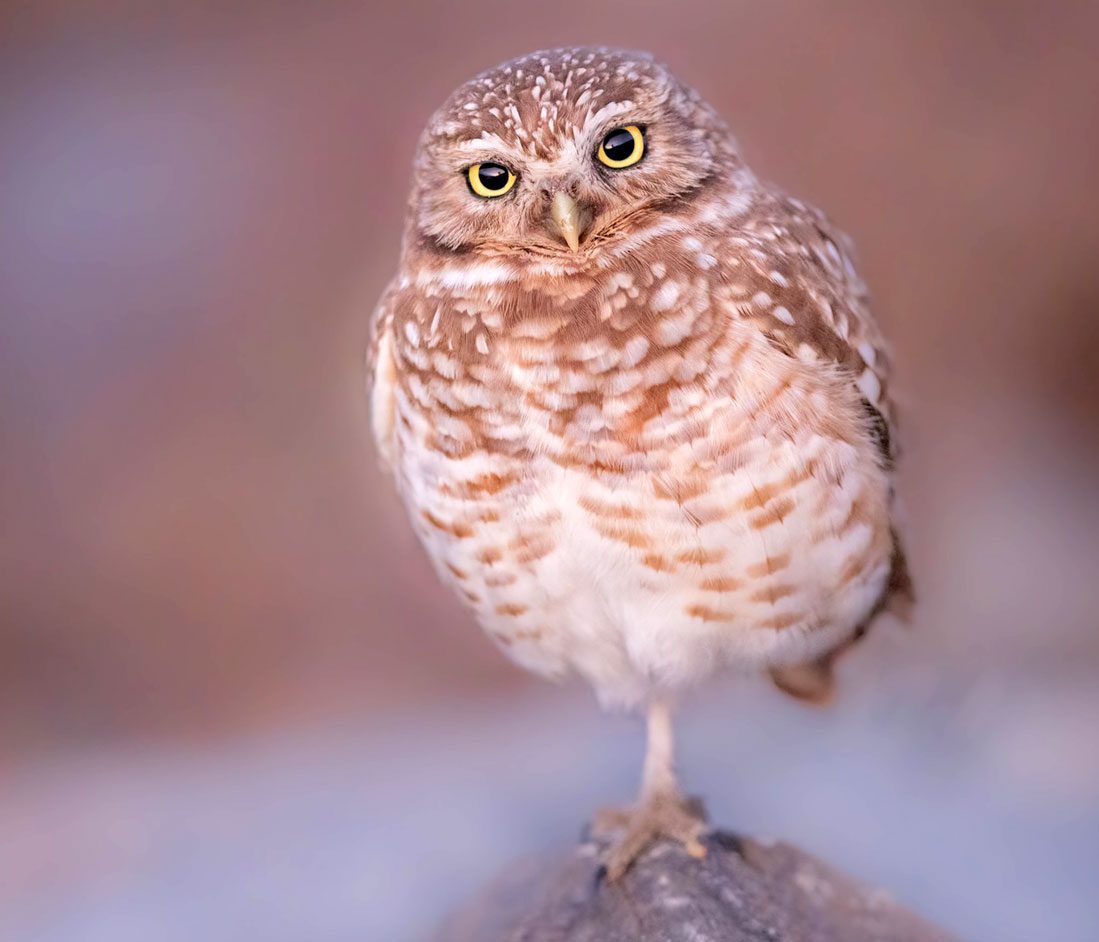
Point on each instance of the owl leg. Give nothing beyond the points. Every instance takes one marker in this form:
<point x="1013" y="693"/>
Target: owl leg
<point x="661" y="812"/>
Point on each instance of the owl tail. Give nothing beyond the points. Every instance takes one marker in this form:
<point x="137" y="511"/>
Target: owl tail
<point x="813" y="683"/>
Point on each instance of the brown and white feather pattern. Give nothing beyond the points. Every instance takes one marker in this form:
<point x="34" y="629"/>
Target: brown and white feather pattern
<point x="666" y="455"/>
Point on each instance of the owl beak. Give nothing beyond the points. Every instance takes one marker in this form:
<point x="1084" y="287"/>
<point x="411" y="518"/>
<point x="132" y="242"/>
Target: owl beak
<point x="565" y="215"/>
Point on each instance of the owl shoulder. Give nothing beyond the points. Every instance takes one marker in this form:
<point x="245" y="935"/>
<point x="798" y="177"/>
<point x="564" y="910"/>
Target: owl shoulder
<point x="795" y="275"/>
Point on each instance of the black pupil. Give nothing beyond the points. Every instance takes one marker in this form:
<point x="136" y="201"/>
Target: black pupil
<point x="492" y="176"/>
<point x="619" y="144"/>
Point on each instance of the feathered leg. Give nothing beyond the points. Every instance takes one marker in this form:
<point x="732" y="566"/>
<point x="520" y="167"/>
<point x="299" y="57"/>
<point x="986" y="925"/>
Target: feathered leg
<point x="661" y="812"/>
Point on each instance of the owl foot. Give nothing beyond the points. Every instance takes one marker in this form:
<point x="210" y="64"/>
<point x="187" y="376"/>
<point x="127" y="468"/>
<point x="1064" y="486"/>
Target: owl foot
<point x="660" y="816"/>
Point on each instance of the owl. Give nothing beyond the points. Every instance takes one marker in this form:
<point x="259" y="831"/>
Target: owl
<point x="634" y="401"/>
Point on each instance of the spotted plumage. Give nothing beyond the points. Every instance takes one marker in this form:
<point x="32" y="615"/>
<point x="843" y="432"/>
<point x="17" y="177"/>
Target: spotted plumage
<point x="640" y="417"/>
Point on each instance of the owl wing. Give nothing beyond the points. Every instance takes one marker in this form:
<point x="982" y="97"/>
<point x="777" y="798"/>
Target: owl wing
<point x="381" y="379"/>
<point x="811" y="304"/>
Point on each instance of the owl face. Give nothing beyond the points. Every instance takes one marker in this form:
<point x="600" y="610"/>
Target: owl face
<point x="558" y="155"/>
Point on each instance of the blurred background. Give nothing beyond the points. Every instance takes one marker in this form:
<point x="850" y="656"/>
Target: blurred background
<point x="235" y="704"/>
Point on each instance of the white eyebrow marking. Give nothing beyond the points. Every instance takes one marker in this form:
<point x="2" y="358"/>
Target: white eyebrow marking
<point x="612" y="110"/>
<point x="486" y="142"/>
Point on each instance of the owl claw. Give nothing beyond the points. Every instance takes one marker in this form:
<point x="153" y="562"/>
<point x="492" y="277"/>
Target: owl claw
<point x="659" y="817"/>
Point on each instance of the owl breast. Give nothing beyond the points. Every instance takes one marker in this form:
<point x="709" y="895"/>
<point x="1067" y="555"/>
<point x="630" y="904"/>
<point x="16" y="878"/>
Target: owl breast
<point x="637" y="499"/>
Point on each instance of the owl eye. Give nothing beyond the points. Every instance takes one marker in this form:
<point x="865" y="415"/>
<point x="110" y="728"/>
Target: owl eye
<point x="622" y="147"/>
<point x="490" y="180"/>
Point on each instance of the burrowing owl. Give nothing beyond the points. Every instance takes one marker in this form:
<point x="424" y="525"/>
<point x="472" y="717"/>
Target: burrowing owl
<point x="634" y="398"/>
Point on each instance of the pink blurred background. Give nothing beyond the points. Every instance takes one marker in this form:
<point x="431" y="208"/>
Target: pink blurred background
<point x="219" y="643"/>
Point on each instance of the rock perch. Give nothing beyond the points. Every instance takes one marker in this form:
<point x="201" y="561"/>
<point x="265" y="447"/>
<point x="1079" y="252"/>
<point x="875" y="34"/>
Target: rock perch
<point x="743" y="891"/>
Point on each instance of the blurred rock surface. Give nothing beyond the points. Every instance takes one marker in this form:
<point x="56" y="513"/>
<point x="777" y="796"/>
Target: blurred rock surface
<point x="744" y="891"/>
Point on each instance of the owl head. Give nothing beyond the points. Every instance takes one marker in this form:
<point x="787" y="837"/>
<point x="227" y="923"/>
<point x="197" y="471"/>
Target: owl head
<point x="560" y="155"/>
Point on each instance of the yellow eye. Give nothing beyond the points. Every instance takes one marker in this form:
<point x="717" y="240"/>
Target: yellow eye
<point x="622" y="147"/>
<point x="490" y="180"/>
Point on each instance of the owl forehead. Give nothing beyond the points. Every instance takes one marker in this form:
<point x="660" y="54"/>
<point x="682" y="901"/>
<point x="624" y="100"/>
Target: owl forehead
<point x="542" y="103"/>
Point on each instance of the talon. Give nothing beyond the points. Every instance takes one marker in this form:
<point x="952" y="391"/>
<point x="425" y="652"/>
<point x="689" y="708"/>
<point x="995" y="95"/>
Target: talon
<point x="659" y="817"/>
